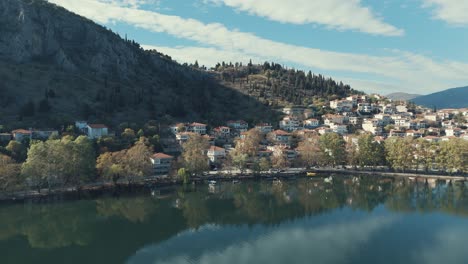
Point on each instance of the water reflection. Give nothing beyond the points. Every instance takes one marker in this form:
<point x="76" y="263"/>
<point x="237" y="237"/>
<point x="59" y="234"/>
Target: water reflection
<point x="352" y="220"/>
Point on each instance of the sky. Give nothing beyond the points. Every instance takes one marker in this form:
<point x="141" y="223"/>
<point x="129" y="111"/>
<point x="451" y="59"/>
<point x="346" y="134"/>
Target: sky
<point x="381" y="46"/>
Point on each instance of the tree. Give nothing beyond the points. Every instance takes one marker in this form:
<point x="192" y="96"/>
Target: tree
<point x="17" y="150"/>
<point x="399" y="153"/>
<point x="279" y="161"/>
<point x="137" y="160"/>
<point x="9" y="174"/>
<point x="452" y="155"/>
<point x="265" y="164"/>
<point x="239" y="159"/>
<point x="193" y="154"/>
<point x="27" y="109"/>
<point x="44" y="106"/>
<point x="110" y="166"/>
<point x="370" y="152"/>
<point x="309" y="151"/>
<point x="332" y="147"/>
<point x="60" y="162"/>
<point x="424" y="154"/>
<point x="182" y="174"/>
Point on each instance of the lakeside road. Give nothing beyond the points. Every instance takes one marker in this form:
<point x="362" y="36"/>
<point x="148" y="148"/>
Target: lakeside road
<point x="226" y="175"/>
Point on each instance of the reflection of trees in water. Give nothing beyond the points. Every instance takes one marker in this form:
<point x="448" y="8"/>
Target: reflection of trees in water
<point x="81" y="223"/>
<point x="48" y="226"/>
<point x="134" y="209"/>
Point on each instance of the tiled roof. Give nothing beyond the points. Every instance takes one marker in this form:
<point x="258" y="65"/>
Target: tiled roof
<point x="162" y="156"/>
<point x="97" y="126"/>
<point x="21" y="131"/>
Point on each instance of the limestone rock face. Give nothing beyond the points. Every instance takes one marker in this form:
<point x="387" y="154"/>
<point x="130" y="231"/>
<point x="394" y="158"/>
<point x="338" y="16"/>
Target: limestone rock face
<point x="34" y="30"/>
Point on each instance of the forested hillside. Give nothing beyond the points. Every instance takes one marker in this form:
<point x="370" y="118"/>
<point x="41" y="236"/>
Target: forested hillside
<point x="276" y="85"/>
<point x="56" y="67"/>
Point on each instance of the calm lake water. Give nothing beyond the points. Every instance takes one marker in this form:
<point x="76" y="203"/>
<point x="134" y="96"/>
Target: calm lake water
<point x="370" y="220"/>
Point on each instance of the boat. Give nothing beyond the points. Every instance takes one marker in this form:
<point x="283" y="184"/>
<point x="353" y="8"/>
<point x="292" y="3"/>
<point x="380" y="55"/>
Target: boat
<point x="311" y="174"/>
<point x="328" y="180"/>
<point x="235" y="181"/>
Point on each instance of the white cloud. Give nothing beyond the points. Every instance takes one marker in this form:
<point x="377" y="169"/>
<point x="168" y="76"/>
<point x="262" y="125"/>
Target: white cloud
<point x="336" y="14"/>
<point x="451" y="11"/>
<point x="289" y="244"/>
<point x="412" y="72"/>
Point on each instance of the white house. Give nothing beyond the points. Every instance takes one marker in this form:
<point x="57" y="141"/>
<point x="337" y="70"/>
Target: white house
<point x="290" y="124"/>
<point x="215" y="154"/>
<point x="97" y="130"/>
<point x="197" y="128"/>
<point x="162" y="163"/>
<point x="311" y="123"/>
<point x="21" y="134"/>
<point x="264" y="128"/>
<point x="222" y="131"/>
<point x="453" y="132"/>
<point x="365" y="107"/>
<point x="281" y="136"/>
<point x="239" y="125"/>
<point x="340" y="129"/>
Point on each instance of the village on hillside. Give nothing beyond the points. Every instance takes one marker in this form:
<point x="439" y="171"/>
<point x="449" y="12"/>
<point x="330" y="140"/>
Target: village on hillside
<point x="278" y="144"/>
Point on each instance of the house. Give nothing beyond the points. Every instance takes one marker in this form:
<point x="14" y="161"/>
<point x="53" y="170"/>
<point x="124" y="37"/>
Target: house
<point x="183" y="136"/>
<point x="335" y="119"/>
<point x="311" y="123"/>
<point x="386" y="119"/>
<point x="5" y="137"/>
<point x="281" y="136"/>
<point x="401" y="108"/>
<point x="198" y="128"/>
<point x="413" y="133"/>
<point x="340" y="129"/>
<point x="216" y="154"/>
<point x="432" y="117"/>
<point x="365" y="108"/>
<point x="397" y="133"/>
<point x="297" y="111"/>
<point x="81" y="126"/>
<point x="341" y="105"/>
<point x="21" y="134"/>
<point x="325" y="130"/>
<point x="222" y="131"/>
<point x="97" y="130"/>
<point x="373" y="126"/>
<point x="455" y="132"/>
<point x="264" y="128"/>
<point x="290" y="124"/>
<point x="239" y="125"/>
<point x="389" y="109"/>
<point x="355" y="120"/>
<point x="162" y="163"/>
<point x="308" y="113"/>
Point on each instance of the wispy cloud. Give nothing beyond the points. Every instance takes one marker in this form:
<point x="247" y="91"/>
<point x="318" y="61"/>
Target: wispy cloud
<point x="335" y="14"/>
<point x="408" y="70"/>
<point x="451" y="11"/>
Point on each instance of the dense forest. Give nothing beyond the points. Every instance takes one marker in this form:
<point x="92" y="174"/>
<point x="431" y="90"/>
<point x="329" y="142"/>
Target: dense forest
<point x="276" y="85"/>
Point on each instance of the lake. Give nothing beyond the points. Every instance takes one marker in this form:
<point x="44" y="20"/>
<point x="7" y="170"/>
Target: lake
<point x="351" y="220"/>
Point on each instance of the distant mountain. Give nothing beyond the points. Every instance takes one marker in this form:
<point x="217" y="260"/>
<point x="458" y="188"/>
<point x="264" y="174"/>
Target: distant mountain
<point x="450" y="98"/>
<point x="402" y="96"/>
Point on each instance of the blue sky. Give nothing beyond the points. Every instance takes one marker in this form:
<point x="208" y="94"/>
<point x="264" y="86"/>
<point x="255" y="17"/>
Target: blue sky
<point x="415" y="46"/>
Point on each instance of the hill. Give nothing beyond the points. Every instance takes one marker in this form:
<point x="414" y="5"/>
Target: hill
<point x="56" y="67"/>
<point x="450" y="98"/>
<point x="275" y="85"/>
<point x="402" y="96"/>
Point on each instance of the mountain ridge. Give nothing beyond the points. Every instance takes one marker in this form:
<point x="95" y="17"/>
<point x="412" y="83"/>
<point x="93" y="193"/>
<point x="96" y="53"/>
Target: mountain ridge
<point x="449" y="98"/>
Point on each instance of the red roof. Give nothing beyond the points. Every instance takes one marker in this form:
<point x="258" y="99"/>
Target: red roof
<point x="215" y="148"/>
<point x="97" y="126"/>
<point x="162" y="156"/>
<point x="197" y="124"/>
<point x="21" y="131"/>
<point x="281" y="133"/>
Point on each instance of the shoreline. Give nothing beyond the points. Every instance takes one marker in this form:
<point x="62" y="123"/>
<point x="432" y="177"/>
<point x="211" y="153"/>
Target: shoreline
<point x="150" y="183"/>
